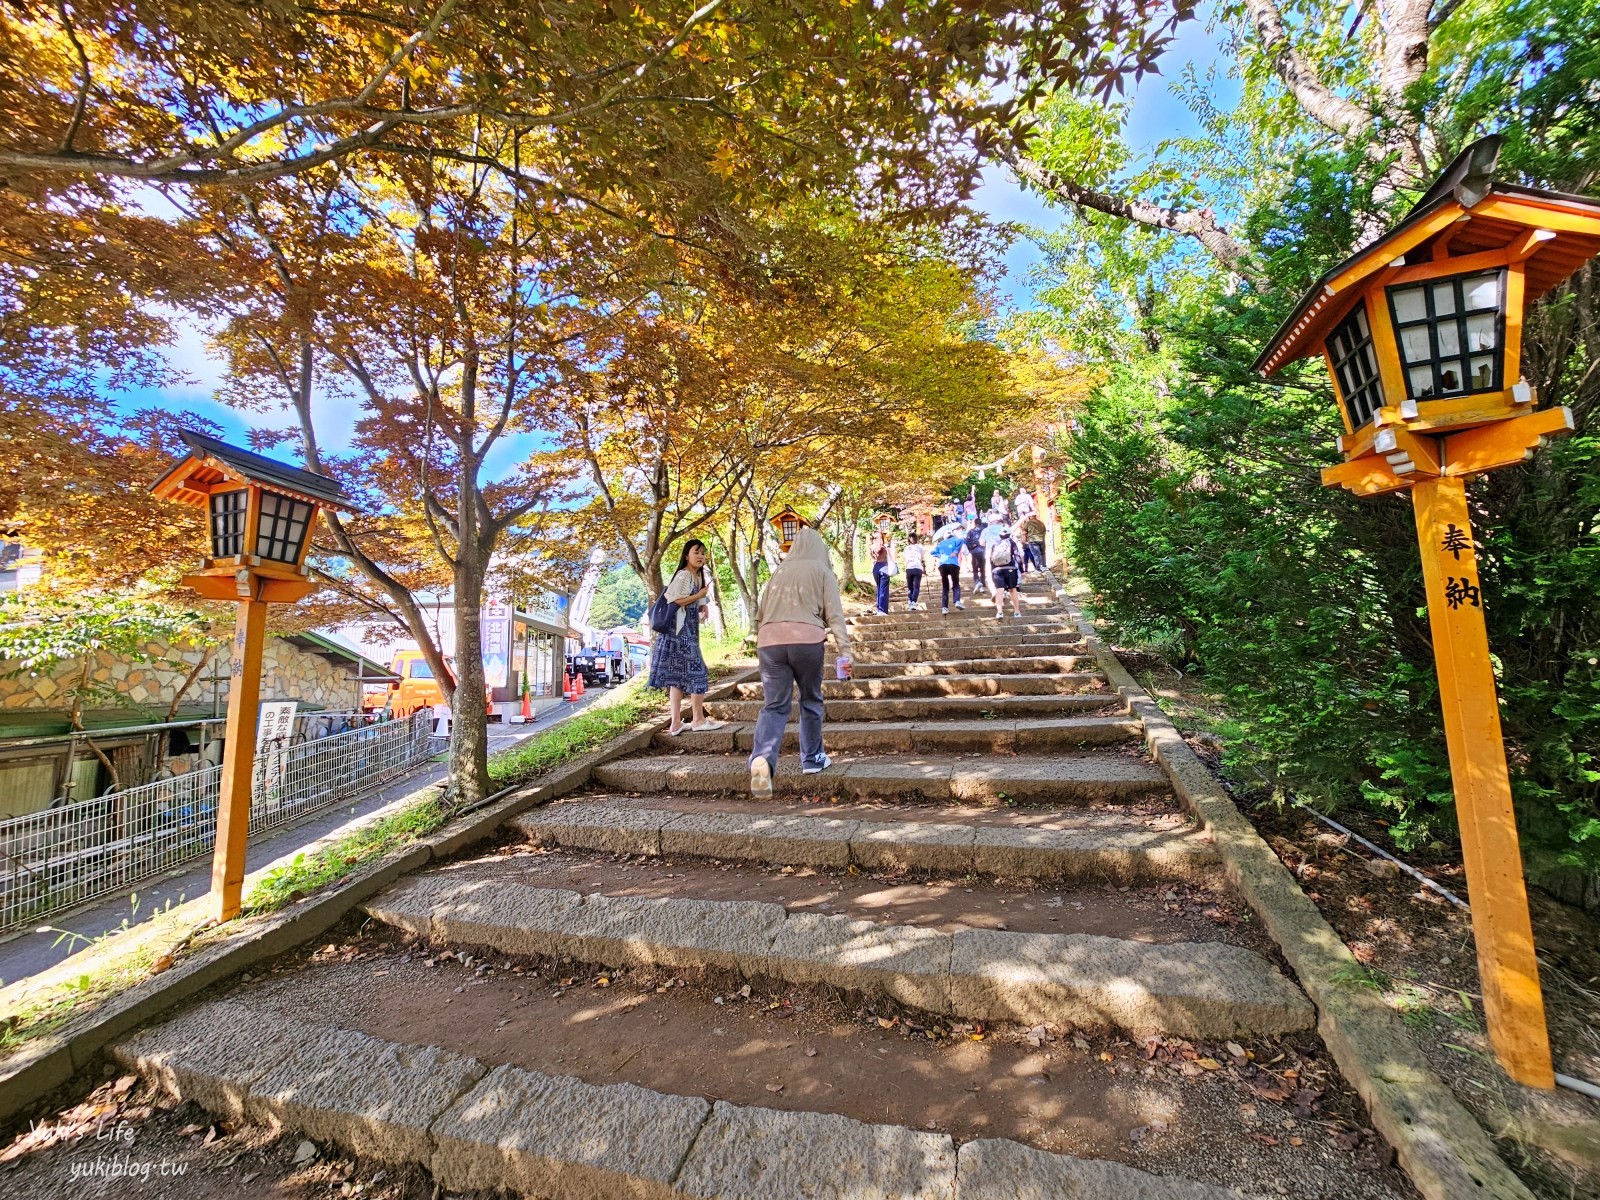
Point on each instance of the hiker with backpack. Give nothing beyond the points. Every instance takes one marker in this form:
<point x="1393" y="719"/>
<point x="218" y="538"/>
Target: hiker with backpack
<point x="1005" y="556"/>
<point x="799" y="607"/>
<point x="947" y="553"/>
<point x="676" y="663"/>
<point x="975" y="551"/>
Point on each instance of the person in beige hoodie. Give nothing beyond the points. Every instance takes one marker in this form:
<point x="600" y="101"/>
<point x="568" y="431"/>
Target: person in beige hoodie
<point x="799" y="606"/>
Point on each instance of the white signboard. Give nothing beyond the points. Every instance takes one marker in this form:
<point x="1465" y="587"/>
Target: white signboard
<point x="496" y="635"/>
<point x="276" y="724"/>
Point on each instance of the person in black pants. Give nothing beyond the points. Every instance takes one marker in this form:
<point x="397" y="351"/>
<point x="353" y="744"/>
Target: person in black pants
<point x="976" y="552"/>
<point x="915" y="563"/>
<point x="947" y="553"/>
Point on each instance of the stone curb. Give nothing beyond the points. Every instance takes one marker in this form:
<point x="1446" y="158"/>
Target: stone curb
<point x="527" y="1132"/>
<point x="1439" y="1143"/>
<point x="1190" y="989"/>
<point x="30" y="1075"/>
<point x="1117" y="854"/>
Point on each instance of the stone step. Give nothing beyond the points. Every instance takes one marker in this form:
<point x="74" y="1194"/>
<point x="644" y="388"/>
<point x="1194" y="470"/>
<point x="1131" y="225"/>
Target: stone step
<point x="1068" y="779"/>
<point x="939" y="649"/>
<point x="477" y="1126"/>
<point x="933" y="708"/>
<point x="997" y="735"/>
<point x="1183" y="989"/>
<point x="1104" y="848"/>
<point x="1035" y="664"/>
<point x="950" y="685"/>
<point x="976" y="620"/>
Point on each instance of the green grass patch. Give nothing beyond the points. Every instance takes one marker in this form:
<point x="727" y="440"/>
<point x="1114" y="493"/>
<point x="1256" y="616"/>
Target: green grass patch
<point x="41" y="1015"/>
<point x="588" y="730"/>
<point x="308" y="872"/>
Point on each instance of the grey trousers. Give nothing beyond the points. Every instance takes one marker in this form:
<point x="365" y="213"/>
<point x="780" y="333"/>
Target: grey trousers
<point x="782" y="668"/>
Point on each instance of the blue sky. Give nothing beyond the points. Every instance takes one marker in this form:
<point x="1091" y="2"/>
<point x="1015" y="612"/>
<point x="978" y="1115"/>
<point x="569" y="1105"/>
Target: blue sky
<point x="1155" y="114"/>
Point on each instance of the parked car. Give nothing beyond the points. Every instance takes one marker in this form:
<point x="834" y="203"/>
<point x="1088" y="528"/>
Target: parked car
<point x="593" y="665"/>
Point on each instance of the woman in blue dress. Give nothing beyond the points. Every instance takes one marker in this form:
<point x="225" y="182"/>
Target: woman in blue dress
<point x="677" y="664"/>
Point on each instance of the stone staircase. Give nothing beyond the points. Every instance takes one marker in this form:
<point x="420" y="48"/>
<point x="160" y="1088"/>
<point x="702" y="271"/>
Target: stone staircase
<point x="966" y="749"/>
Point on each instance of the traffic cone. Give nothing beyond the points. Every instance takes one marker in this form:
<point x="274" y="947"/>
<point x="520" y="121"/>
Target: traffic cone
<point x="527" y="705"/>
<point x="566" y="687"/>
<point x="579" y="682"/>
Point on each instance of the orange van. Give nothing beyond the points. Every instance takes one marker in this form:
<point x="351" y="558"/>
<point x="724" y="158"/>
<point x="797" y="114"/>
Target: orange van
<point x="416" y="689"/>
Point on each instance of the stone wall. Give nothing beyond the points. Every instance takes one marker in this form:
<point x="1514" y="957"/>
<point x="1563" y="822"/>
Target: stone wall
<point x="288" y="673"/>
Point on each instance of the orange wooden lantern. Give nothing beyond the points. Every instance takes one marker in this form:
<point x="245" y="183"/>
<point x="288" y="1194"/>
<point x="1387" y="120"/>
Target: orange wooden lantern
<point x="1422" y="334"/>
<point x="261" y="514"/>
<point x="787" y="524"/>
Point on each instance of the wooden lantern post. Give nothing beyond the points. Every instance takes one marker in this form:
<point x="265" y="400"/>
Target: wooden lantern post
<point x="262" y="513"/>
<point x="1422" y="333"/>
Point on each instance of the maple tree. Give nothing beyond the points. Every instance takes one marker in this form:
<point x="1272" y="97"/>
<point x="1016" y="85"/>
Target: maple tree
<point x="205" y="92"/>
<point x="437" y="306"/>
<point x="716" y="403"/>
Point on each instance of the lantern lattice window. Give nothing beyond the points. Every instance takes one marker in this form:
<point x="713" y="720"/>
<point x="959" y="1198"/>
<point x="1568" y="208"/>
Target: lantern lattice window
<point x="227" y="522"/>
<point x="283" y="527"/>
<point x="1355" y="365"/>
<point x="1451" y="334"/>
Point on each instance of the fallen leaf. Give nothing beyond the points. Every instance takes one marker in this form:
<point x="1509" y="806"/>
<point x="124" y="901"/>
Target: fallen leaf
<point x="745" y="991"/>
<point x="774" y="1087"/>
<point x="888" y="1022"/>
<point x="811" y="1052"/>
<point x="1209" y="1064"/>
<point x="1235" y="1049"/>
<point x="1294" y="1141"/>
<point x="1269" y="1088"/>
<point x="1266" y="1139"/>
<point x="304" y="1153"/>
<point x="977" y="1037"/>
<point x="1106" y="1056"/>
<point x="123" y="1085"/>
<point x="164" y="962"/>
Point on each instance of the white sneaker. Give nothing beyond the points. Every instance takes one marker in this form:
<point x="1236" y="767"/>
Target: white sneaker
<point x="961" y="606"/>
<point x="760" y="778"/>
<point x="808" y="769"/>
<point x="945" y="612"/>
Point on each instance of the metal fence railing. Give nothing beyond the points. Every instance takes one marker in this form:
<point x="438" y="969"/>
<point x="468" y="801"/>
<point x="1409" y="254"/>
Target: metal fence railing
<point x="63" y="856"/>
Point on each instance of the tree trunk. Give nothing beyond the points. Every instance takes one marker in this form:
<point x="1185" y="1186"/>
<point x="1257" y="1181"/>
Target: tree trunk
<point x="741" y="580"/>
<point x="847" y="549"/>
<point x="469" y="729"/>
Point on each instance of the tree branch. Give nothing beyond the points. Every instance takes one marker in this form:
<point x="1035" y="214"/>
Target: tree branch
<point x="1200" y="224"/>
<point x="1325" y="105"/>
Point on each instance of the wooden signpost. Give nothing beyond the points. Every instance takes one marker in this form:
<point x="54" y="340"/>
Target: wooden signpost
<point x="1422" y="333"/>
<point x="261" y="514"/>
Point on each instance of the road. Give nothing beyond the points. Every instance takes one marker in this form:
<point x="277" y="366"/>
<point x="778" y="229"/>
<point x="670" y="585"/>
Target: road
<point x="27" y="952"/>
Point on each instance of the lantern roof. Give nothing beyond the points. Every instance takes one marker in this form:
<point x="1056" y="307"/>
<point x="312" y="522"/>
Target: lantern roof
<point x="1465" y="213"/>
<point x="211" y="462"/>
